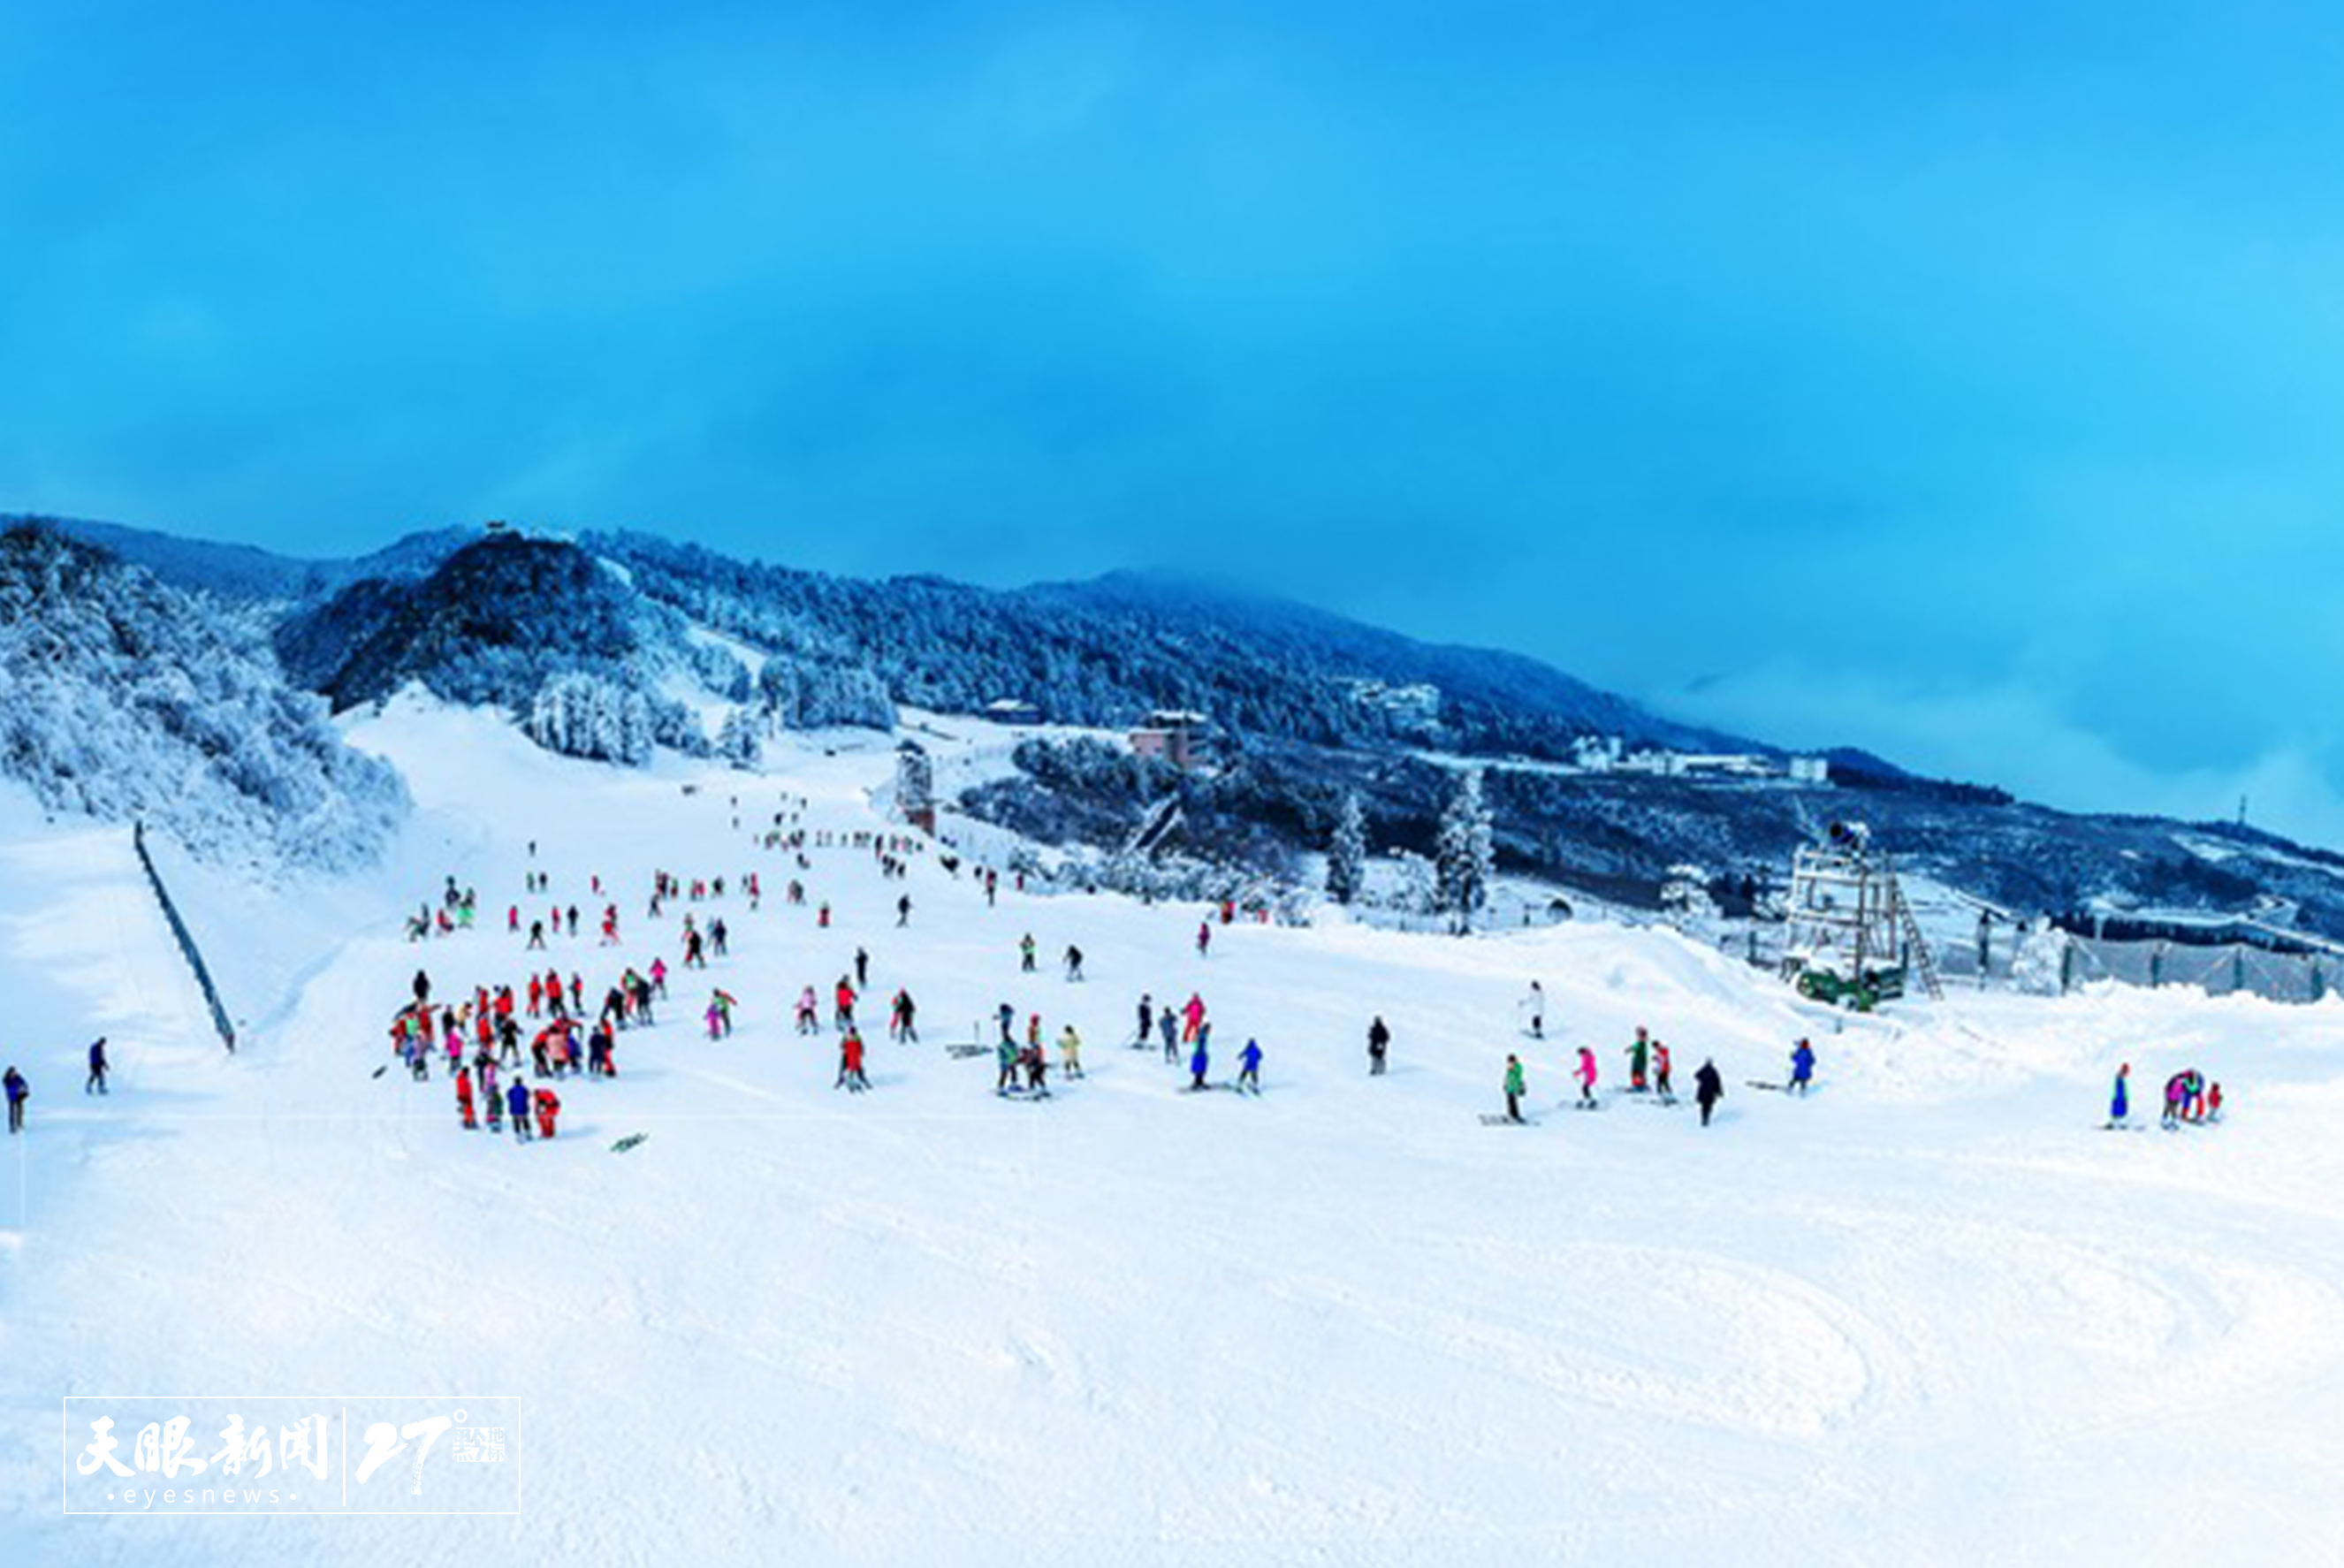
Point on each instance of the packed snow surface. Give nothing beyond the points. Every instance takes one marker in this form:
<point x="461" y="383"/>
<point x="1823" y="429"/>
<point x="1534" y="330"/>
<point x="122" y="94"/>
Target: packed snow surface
<point x="1933" y="1314"/>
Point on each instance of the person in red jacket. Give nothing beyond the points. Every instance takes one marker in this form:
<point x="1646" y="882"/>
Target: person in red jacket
<point x="850" y="1064"/>
<point x="464" y="1097"/>
<point x="549" y="1106"/>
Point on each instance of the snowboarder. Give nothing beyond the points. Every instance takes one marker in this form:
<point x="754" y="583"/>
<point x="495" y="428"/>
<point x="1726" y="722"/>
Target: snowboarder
<point x="2120" y="1097"/>
<point x="1586" y="1076"/>
<point x="719" y="1015"/>
<point x="1249" y="1069"/>
<point x="1192" y="1017"/>
<point x="517" y="1108"/>
<point x="96" y="1084"/>
<point x="1708" y="1088"/>
<point x="18" y="1091"/>
<point x="1070" y="1053"/>
<point x="1803" y="1067"/>
<point x="1515" y="1088"/>
<point x="1074" y="962"/>
<point x="1378" y="1043"/>
<point x="1005" y="1056"/>
<point x="1037" y="1071"/>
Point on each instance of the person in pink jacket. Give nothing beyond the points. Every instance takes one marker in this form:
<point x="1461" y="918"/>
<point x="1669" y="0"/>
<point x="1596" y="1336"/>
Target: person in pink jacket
<point x="1586" y="1076"/>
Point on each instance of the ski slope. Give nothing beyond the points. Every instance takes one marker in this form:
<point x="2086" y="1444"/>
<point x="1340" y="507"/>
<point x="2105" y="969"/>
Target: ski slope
<point x="1932" y="1315"/>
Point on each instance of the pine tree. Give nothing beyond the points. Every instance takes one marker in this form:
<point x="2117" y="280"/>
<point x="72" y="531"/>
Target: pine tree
<point x="1347" y="853"/>
<point x="1464" y="855"/>
<point x="737" y="741"/>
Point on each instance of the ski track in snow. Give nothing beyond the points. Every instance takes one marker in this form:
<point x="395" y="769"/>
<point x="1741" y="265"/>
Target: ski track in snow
<point x="1932" y="1315"/>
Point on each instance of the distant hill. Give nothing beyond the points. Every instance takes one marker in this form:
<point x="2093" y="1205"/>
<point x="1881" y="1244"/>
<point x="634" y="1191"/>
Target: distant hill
<point x="240" y="573"/>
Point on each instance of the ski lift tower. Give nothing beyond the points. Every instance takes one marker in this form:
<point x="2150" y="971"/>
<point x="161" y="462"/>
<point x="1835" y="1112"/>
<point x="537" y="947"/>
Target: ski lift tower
<point x="1852" y="935"/>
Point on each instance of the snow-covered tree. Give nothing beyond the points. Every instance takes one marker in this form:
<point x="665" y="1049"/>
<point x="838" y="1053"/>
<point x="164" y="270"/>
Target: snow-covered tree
<point x="1465" y="854"/>
<point x="736" y="740"/>
<point x="1346" y="852"/>
<point x="122" y="698"/>
<point x="1419" y="884"/>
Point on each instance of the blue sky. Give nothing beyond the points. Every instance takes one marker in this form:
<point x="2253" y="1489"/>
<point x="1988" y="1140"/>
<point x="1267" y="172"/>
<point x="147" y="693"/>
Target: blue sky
<point x="1960" y="384"/>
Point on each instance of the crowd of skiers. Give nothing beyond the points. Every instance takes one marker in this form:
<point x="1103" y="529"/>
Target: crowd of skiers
<point x="485" y="1038"/>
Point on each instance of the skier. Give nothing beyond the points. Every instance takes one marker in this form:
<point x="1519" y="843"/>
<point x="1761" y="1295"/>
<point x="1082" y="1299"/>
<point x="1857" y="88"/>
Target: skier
<point x="862" y="970"/>
<point x="809" y="1012"/>
<point x="1192" y="1017"/>
<point x="1038" y="1070"/>
<point x="1204" y="938"/>
<point x="719" y="1015"/>
<point x="1025" y="954"/>
<point x="1249" y="1069"/>
<point x="96" y="1067"/>
<point x="2120" y="1097"/>
<point x="659" y="977"/>
<point x="2176" y="1098"/>
<point x="1198" y="1062"/>
<point x="843" y="999"/>
<point x="517" y="1110"/>
<point x="1535" y="1005"/>
<point x="1168" y="1026"/>
<point x="1708" y="1088"/>
<point x="1639" y="1053"/>
<point x="1147" y="1020"/>
<point x="903" y="911"/>
<point x="1070" y="1053"/>
<point x="899" y="1023"/>
<point x="18" y="1091"/>
<point x="1661" y="1074"/>
<point x="549" y="1106"/>
<point x="1803" y="1067"/>
<point x="464" y="1099"/>
<point x="1074" y="962"/>
<point x="1378" y="1043"/>
<point x="2214" y="1102"/>
<point x="1586" y="1076"/>
<point x="1515" y="1088"/>
<point x="1005" y="1056"/>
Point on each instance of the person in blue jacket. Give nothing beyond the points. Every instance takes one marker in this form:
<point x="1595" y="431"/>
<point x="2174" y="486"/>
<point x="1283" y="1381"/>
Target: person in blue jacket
<point x="517" y="1110"/>
<point x="1198" y="1062"/>
<point x="97" y="1068"/>
<point x="19" y="1091"/>
<point x="1803" y="1067"/>
<point x="1249" y="1068"/>
<point x="2120" y="1098"/>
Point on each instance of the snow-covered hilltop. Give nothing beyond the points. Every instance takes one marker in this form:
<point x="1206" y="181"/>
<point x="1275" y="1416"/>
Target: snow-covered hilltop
<point x="121" y="698"/>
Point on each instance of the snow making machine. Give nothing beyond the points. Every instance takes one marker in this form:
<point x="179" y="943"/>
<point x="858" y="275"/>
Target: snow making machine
<point x="1852" y="940"/>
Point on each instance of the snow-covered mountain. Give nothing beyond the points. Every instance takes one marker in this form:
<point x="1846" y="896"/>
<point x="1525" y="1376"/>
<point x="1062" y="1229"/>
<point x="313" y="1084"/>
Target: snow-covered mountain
<point x="613" y="643"/>
<point x="121" y="697"/>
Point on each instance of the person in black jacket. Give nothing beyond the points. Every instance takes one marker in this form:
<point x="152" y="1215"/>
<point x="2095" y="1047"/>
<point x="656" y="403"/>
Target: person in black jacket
<point x="18" y="1091"/>
<point x="96" y="1084"/>
<point x="1379" y="1042"/>
<point x="1708" y="1088"/>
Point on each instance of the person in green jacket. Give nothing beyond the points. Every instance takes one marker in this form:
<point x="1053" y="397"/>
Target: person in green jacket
<point x="1514" y="1088"/>
<point x="1639" y="1057"/>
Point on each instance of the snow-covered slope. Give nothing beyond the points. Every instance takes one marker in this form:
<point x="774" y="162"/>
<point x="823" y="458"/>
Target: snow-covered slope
<point x="1932" y="1315"/>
